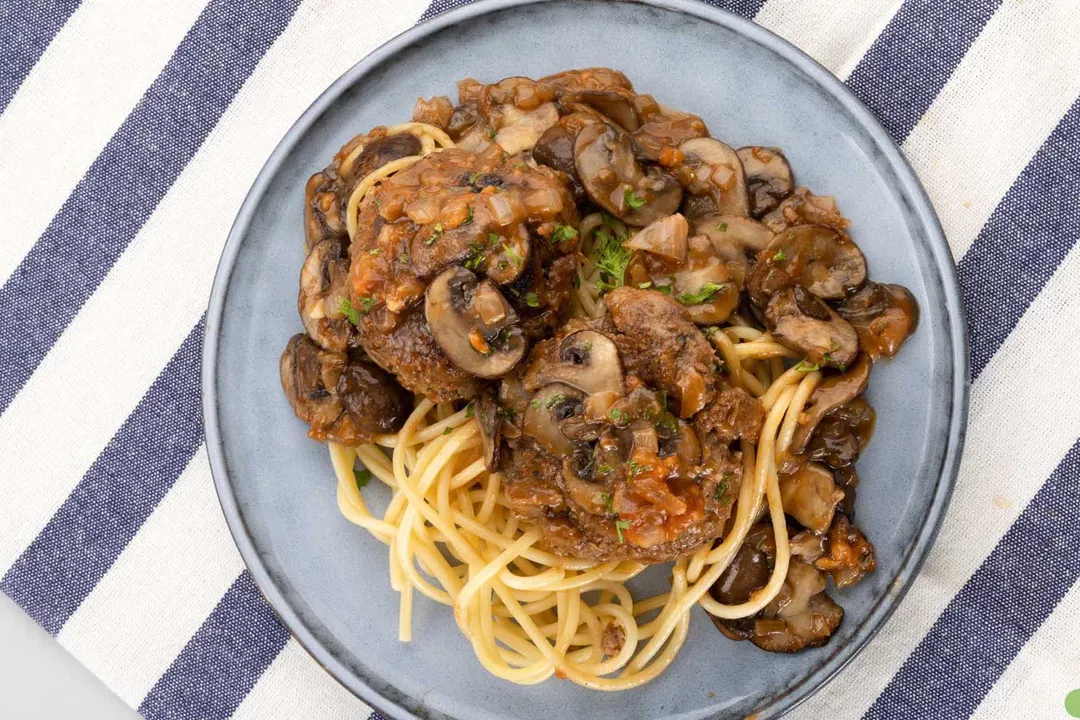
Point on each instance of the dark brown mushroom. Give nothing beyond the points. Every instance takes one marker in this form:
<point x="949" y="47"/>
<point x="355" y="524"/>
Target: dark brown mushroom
<point x="802" y="322"/>
<point x="462" y="120"/>
<point x="822" y="259"/>
<point x="712" y="168"/>
<point x="883" y="315"/>
<point x="810" y="496"/>
<point x="382" y="151"/>
<point x="803" y="207"/>
<point x="748" y="572"/>
<point x="586" y="360"/>
<point x="549" y="407"/>
<point x="842" y="435"/>
<point x="802" y="615"/>
<point x="555" y="148"/>
<point x="344" y="398"/>
<point x="618" y="106"/>
<point x="768" y="177"/>
<point x="473" y="324"/>
<point x="613" y="179"/>
<point x="486" y="411"/>
<point x="322" y="208"/>
<point x="829" y="395"/>
<point x="323" y="301"/>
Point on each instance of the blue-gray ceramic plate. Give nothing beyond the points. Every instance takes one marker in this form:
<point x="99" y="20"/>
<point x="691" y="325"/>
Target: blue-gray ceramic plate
<point x="327" y="579"/>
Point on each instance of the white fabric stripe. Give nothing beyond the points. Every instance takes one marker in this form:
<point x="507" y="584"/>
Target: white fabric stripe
<point x="85" y="84"/>
<point x="836" y="33"/>
<point x="158" y="593"/>
<point x="1004" y="465"/>
<point x="1031" y="687"/>
<point x="275" y="696"/>
<point x="1010" y="90"/>
<point x="171" y="261"/>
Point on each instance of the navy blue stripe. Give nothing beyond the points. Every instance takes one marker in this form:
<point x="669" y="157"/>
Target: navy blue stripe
<point x="26" y="29"/>
<point x="129" y="178"/>
<point x="1028" y="235"/>
<point x="912" y="59"/>
<point x="997" y="611"/>
<point x="222" y="661"/>
<point x="133" y="473"/>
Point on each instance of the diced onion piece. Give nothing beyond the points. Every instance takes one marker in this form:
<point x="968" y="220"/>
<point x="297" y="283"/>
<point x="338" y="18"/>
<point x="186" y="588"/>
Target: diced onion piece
<point x="489" y="304"/>
<point x="665" y="237"/>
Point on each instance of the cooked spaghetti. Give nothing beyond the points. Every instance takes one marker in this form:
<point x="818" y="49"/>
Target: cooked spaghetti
<point x="576" y="336"/>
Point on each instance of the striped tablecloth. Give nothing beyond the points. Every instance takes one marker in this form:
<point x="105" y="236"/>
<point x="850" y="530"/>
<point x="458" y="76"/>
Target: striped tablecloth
<point x="130" y="132"/>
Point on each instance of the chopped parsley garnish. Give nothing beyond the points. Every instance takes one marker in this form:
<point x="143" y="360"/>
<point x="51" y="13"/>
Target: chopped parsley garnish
<point x="710" y="331"/>
<point x="493" y="238"/>
<point x="839" y="365"/>
<point x="609" y="502"/>
<point x="434" y="235"/>
<point x="404" y="259"/>
<point x="637" y="468"/>
<point x="611" y="259"/>
<point x="474" y="177"/>
<point x="632" y="200"/>
<point x="469" y="409"/>
<point x="534" y="404"/>
<point x="621" y="525"/>
<point x="363" y="477"/>
<point x="645" y="285"/>
<point x="468" y="216"/>
<point x="514" y="255"/>
<point x="531" y="300"/>
<point x="668" y="422"/>
<point x="780" y="256"/>
<point x="666" y="289"/>
<point x="366" y="304"/>
<point x="705" y="294"/>
<point x="476" y="256"/>
<point x="562" y="234"/>
<point x="505" y="413"/>
<point x="587" y="345"/>
<point x="447" y="431"/>
<point x="554" y="400"/>
<point x="721" y="487"/>
<point x="604" y="469"/>
<point x="349" y="311"/>
<point x="722" y="227"/>
<point x="806" y="367"/>
<point x="621" y="417"/>
<point x="492" y="133"/>
<point x="373" y="251"/>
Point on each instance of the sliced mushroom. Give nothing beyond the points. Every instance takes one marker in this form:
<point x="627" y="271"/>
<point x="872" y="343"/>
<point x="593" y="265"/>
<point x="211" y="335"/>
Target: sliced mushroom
<point x="586" y="360"/>
<point x="615" y="105"/>
<point x="712" y="168"/>
<point x="734" y="231"/>
<point x="665" y="238"/>
<point x="810" y="496"/>
<point x="748" y="572"/>
<point x="850" y="555"/>
<point x="829" y="395"/>
<point x="549" y="407"/>
<point x="613" y="179"/>
<point x="822" y="259"/>
<point x="462" y="120"/>
<point x="345" y="398"/>
<point x="842" y="434"/>
<point x="801" y="616"/>
<point x="884" y="316"/>
<point x="486" y="412"/>
<point x="520" y="130"/>
<point x="473" y="324"/>
<point x="768" y="177"/>
<point x="578" y="469"/>
<point x="805" y="208"/>
<point x="683" y="443"/>
<point x="658" y="139"/>
<point x="382" y="151"/>
<point x="706" y="286"/>
<point x="322" y="208"/>
<point x="800" y="321"/>
<point x="324" y="295"/>
<point x="555" y="148"/>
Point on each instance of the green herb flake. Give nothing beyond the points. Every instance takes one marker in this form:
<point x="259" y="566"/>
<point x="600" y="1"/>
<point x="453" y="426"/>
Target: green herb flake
<point x="349" y="311"/>
<point x="531" y="300"/>
<point x="514" y="255"/>
<point x="631" y="199"/>
<point x="621" y="525"/>
<point x="468" y="216"/>
<point x="366" y="304"/>
<point x="437" y="231"/>
<point x="807" y="367"/>
<point x="780" y="256"/>
<point x="609" y="502"/>
<point x="666" y="289"/>
<point x="447" y="431"/>
<point x="604" y="469"/>
<point x="534" y="404"/>
<point x="620" y="417"/>
<point x="637" y="468"/>
<point x="374" y="251"/>
<point x="707" y="292"/>
<point x="722" y="227"/>
<point x="491" y="132"/>
<point x="476" y="256"/>
<point x="363" y="477"/>
<point x="645" y="285"/>
<point x="493" y="238"/>
<point x="554" y="400"/>
<point x="562" y="234"/>
<point x="469" y="408"/>
<point x="474" y="177"/>
<point x="722" y="487"/>
<point x="611" y="259"/>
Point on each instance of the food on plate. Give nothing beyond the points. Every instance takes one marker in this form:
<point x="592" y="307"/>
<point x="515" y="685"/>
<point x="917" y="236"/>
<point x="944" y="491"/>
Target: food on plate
<point x="578" y="336"/>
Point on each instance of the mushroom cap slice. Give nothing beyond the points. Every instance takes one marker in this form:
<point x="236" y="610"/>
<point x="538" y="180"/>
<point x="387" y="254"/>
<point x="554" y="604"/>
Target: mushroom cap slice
<point x="737" y="231"/>
<point x="323" y="291"/>
<point x="769" y="179"/>
<point x="829" y="395"/>
<point x="309" y="382"/>
<point x="487" y="419"/>
<point x="473" y="324"/>
<point x="712" y="168"/>
<point x="613" y="179"/>
<point x="586" y="360"/>
<point x="548" y="408"/>
<point x="615" y="105"/>
<point x="805" y="324"/>
<point x="822" y="259"/>
<point x="883" y="315"/>
<point x="380" y="152"/>
<point x="810" y="496"/>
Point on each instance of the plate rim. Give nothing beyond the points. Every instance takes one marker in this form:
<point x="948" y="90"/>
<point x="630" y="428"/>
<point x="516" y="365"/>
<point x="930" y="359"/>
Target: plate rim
<point x="907" y="180"/>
